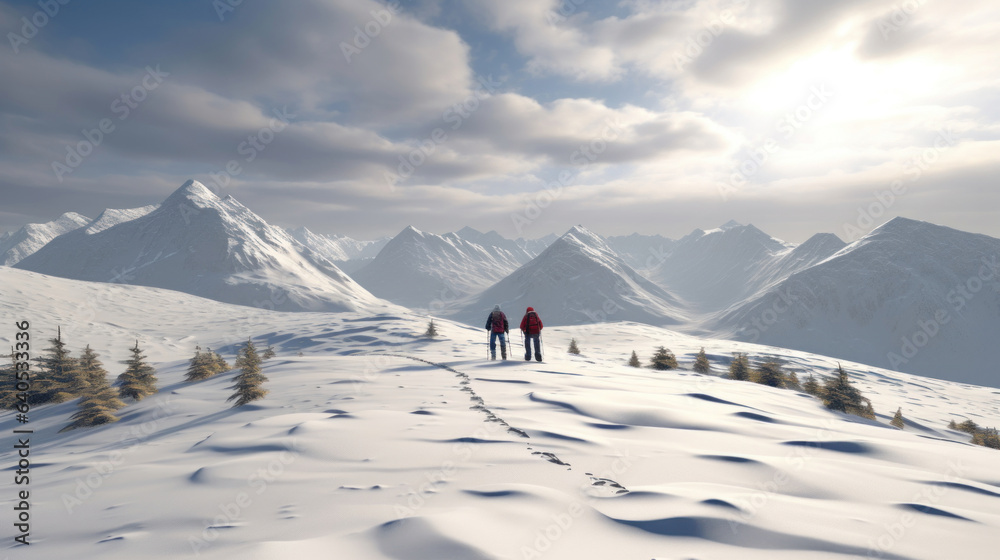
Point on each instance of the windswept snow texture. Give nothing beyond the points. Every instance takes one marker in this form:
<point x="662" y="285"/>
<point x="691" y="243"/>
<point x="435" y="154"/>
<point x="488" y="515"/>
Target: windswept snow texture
<point x="578" y="280"/>
<point x="427" y="271"/>
<point x="910" y="296"/>
<point x="356" y="454"/>
<point x="15" y="246"/>
<point x="200" y="244"/>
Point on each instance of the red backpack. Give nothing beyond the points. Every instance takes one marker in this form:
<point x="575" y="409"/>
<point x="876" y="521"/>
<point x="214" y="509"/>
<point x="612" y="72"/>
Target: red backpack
<point x="532" y="323"/>
<point x="498" y="321"/>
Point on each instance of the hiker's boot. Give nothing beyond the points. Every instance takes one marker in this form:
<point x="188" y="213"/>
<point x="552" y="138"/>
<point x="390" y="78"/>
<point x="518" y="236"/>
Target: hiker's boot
<point x="538" y="357"/>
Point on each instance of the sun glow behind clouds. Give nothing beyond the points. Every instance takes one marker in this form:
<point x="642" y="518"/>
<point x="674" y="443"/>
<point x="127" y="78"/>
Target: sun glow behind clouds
<point x="861" y="88"/>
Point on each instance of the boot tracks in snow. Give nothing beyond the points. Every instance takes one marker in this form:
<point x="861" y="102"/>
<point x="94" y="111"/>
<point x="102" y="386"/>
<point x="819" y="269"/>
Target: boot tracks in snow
<point x="465" y="383"/>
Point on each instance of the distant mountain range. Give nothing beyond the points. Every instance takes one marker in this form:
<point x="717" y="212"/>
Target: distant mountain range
<point x="910" y="295"/>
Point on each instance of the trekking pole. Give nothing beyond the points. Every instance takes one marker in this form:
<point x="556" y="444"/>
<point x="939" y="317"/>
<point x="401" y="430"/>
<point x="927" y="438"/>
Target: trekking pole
<point x="541" y="344"/>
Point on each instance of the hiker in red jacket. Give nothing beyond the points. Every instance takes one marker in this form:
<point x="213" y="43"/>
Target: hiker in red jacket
<point x="531" y="326"/>
<point x="497" y="326"/>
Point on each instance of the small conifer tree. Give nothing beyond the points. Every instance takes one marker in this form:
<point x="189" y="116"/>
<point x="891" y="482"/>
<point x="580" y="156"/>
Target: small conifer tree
<point x="268" y="353"/>
<point x="8" y="382"/>
<point x="91" y="369"/>
<point x="811" y="386"/>
<point x="219" y="364"/>
<point x="634" y="360"/>
<point x="99" y="400"/>
<point x="987" y="437"/>
<point x="897" y="420"/>
<point x="431" y="331"/>
<point x="770" y="374"/>
<point x="968" y="427"/>
<point x="139" y="379"/>
<point x="573" y="348"/>
<point x="58" y="378"/>
<point x="865" y="410"/>
<point x="202" y="366"/>
<point x="792" y="381"/>
<point x="952" y="425"/>
<point x="840" y="394"/>
<point x="663" y="359"/>
<point x="739" y="368"/>
<point x="248" y="381"/>
<point x="701" y="364"/>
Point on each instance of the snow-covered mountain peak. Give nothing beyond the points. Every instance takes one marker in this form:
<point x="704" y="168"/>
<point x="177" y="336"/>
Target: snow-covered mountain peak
<point x="193" y="192"/>
<point x="585" y="237"/>
<point x="827" y="243"/>
<point x="423" y="270"/>
<point x="197" y="243"/>
<point x="20" y="244"/>
<point x="579" y="279"/>
<point x="730" y="225"/>
<point x="490" y="238"/>
<point x="111" y="217"/>
<point x="901" y="224"/>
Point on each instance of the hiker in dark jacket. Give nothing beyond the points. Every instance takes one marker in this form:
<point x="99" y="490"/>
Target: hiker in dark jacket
<point x="498" y="327"/>
<point x="531" y="326"/>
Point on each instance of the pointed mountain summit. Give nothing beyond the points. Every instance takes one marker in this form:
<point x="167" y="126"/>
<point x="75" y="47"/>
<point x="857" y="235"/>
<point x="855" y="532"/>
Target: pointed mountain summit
<point x="816" y="249"/>
<point x="16" y="246"/>
<point x="711" y="268"/>
<point x="192" y="192"/>
<point x="578" y="280"/>
<point x="428" y="271"/>
<point x="910" y="296"/>
<point x="198" y="243"/>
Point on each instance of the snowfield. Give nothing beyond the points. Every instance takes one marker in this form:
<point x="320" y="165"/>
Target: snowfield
<point x="377" y="443"/>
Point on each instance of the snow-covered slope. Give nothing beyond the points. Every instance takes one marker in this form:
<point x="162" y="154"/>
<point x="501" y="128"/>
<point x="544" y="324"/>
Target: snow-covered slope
<point x="428" y="271"/>
<point x="712" y="269"/>
<point x="200" y="244"/>
<point x="911" y="296"/>
<point x="783" y="264"/>
<point x="356" y="454"/>
<point x="111" y="217"/>
<point x="15" y="246"/>
<point x="577" y="280"/>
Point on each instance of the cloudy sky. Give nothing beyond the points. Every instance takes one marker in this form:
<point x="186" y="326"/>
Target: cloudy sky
<point x="360" y="117"/>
